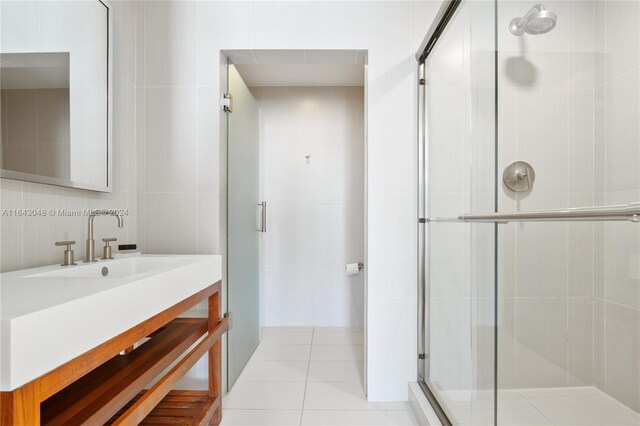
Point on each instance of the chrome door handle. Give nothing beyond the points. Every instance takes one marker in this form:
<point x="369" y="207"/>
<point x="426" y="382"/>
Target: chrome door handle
<point x="263" y="217"/>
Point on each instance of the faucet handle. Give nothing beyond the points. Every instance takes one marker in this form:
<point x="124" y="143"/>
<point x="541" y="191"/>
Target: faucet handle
<point x="68" y="253"/>
<point x="65" y="243"/>
<point x="106" y="250"/>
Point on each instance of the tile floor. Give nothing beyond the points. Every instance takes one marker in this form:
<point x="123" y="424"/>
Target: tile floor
<point x="308" y="376"/>
<point x="544" y="406"/>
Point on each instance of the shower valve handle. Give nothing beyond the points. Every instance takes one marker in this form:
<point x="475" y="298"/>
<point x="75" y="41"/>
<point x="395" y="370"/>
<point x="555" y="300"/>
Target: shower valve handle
<point x="524" y="174"/>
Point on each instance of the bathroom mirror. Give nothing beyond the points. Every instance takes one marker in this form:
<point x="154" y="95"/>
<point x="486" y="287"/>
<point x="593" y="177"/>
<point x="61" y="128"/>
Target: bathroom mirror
<point x="55" y="101"/>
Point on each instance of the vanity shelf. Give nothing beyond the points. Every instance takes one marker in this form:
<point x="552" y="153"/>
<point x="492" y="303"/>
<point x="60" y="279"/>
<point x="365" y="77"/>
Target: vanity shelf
<point x="179" y="407"/>
<point x="99" y="395"/>
<point x="107" y="385"/>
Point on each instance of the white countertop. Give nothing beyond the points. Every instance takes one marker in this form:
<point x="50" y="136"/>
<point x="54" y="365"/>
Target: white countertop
<point x="48" y="316"/>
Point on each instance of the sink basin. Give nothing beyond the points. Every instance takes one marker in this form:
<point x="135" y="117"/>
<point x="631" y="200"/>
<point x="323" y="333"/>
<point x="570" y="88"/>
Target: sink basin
<point x="112" y="269"/>
<point x="52" y="314"/>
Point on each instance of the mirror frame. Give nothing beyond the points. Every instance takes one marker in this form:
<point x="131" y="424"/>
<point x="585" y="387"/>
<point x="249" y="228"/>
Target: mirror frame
<point x="30" y="177"/>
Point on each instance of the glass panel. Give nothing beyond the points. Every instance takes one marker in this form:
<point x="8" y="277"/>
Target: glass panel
<point x="569" y="292"/>
<point x="460" y="117"/>
<point x="243" y="273"/>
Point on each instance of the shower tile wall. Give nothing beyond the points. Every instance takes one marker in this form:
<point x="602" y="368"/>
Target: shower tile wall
<point x="617" y="181"/>
<point x="315" y="205"/>
<point x="570" y="292"/>
<point x="545" y="272"/>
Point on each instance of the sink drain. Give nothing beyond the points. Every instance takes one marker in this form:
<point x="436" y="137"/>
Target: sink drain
<point x="105" y="271"/>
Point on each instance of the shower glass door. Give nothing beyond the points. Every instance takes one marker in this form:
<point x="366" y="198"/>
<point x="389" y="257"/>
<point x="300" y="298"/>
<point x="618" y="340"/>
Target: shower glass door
<point x="530" y="112"/>
<point x="459" y="177"/>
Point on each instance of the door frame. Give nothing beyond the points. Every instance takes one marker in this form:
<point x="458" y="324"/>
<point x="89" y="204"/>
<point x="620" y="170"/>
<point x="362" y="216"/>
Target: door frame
<point x="223" y="61"/>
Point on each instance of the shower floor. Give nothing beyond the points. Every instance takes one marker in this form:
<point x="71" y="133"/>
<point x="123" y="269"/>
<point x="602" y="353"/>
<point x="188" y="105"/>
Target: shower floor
<point x="543" y="406"/>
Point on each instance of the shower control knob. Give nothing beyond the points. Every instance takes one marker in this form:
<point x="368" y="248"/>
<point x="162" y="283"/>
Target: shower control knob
<point x="519" y="176"/>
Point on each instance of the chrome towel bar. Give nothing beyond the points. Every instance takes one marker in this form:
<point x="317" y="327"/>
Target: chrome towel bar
<point x="628" y="212"/>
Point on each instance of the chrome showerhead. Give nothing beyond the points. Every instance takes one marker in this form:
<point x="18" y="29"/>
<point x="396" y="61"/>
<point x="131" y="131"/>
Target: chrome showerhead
<point x="538" y="20"/>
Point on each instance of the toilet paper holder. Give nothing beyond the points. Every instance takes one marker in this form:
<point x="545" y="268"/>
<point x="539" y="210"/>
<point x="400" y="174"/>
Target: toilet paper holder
<point x="354" y="268"/>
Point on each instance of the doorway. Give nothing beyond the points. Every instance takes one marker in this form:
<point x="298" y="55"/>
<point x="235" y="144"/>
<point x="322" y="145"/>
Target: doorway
<point x="296" y="156"/>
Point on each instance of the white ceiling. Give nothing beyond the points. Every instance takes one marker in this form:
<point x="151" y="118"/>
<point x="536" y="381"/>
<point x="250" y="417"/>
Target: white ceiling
<point x="34" y="70"/>
<point x="300" y="67"/>
<point x="302" y="74"/>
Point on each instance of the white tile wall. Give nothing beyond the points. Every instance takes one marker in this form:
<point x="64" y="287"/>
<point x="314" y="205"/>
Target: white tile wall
<point x="617" y="279"/>
<point x="622" y="331"/>
<point x="580" y="353"/>
<point x="316" y="205"/>
<point x="621" y="47"/>
<point x="179" y="162"/>
<point x="170" y="120"/>
<point x="170" y="44"/>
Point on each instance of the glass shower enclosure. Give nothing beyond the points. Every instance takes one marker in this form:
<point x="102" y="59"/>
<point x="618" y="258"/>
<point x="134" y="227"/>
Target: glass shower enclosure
<point x="529" y="182"/>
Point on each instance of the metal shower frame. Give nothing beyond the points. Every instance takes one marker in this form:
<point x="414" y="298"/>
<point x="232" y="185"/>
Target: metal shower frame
<point x="445" y="14"/>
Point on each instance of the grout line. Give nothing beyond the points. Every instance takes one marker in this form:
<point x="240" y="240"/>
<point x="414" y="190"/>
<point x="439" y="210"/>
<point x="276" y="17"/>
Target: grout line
<point x="536" y="408"/>
<point x="199" y="195"/>
<point x="306" y="382"/>
<point x="321" y="409"/>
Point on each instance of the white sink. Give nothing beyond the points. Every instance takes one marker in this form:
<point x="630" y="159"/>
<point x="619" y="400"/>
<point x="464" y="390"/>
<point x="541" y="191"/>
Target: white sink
<point x="52" y="314"/>
<point x="114" y="269"/>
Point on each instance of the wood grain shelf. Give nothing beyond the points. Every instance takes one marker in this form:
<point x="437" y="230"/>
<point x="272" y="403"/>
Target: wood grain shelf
<point x="105" y="385"/>
<point x="179" y="407"/>
<point x="96" y="397"/>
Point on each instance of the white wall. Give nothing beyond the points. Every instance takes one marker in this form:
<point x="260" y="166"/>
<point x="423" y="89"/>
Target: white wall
<point x="182" y="190"/>
<point x="29" y="241"/>
<point x="315" y="206"/>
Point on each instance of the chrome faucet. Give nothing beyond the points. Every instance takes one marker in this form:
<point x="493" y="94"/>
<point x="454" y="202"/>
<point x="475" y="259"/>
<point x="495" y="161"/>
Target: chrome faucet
<point x="90" y="249"/>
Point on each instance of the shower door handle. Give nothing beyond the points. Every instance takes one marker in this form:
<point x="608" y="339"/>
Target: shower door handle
<point x="263" y="217"/>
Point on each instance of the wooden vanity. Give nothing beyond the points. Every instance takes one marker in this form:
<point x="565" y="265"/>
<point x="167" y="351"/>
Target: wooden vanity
<point x="109" y="383"/>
